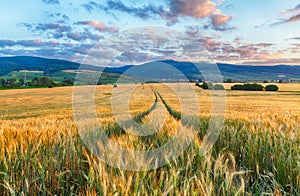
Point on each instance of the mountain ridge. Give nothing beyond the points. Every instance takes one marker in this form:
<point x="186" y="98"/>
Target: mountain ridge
<point x="190" y="70"/>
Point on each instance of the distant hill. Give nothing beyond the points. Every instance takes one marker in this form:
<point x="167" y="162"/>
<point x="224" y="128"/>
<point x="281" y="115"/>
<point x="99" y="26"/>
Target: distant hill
<point x="55" y="68"/>
<point x="9" y="64"/>
<point x="58" y="70"/>
<point x="228" y="71"/>
<point x="248" y="72"/>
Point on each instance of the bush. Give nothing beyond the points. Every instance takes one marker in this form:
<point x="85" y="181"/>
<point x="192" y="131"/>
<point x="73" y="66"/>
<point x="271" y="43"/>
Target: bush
<point x="206" y="85"/>
<point x="68" y="82"/>
<point x="271" y="87"/>
<point x="248" y="87"/>
<point x="219" y="87"/>
<point x="210" y="86"/>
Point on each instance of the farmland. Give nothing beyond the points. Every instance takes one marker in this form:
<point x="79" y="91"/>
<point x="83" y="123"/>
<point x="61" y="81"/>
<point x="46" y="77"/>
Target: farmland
<point x="257" y="151"/>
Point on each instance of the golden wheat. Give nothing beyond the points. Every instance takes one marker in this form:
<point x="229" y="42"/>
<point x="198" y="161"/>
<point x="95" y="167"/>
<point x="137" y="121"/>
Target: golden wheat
<point x="257" y="152"/>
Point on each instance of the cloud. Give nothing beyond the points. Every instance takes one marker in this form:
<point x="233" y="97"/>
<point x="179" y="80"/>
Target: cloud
<point x="236" y="50"/>
<point x="294" y="48"/>
<point x="81" y="49"/>
<point x="197" y="9"/>
<point x="99" y="26"/>
<point x="293" y="38"/>
<point x="220" y="19"/>
<point x="135" y="52"/>
<point x="295" y="9"/>
<point x="279" y="61"/>
<point x="51" y="26"/>
<point x="50" y="30"/>
<point x="192" y="8"/>
<point x="48" y="49"/>
<point x="63" y="16"/>
<point x="51" y="1"/>
<point x="223" y="28"/>
<point x="266" y="56"/>
<point x="91" y="6"/>
<point x="294" y="18"/>
<point x="62" y="31"/>
<point x="263" y="24"/>
<point x="291" y="19"/>
<point x="46" y="27"/>
<point x="193" y="31"/>
<point x="144" y="12"/>
<point x="26" y="43"/>
<point x="83" y="36"/>
<point x="253" y="51"/>
<point x="5" y="43"/>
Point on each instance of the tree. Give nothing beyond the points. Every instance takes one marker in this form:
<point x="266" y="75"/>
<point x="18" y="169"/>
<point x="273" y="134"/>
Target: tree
<point x="67" y="82"/>
<point x="11" y="81"/>
<point x="204" y="85"/>
<point x="2" y="82"/>
<point x="43" y="81"/>
<point x="219" y="87"/>
<point x="207" y="85"/>
<point x="21" y="81"/>
<point x="271" y="87"/>
<point x="248" y="87"/>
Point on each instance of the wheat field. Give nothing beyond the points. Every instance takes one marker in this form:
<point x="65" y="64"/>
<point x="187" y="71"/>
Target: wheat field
<point x="256" y="153"/>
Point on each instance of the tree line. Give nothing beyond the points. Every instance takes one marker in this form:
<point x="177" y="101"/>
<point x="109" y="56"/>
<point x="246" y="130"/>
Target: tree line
<point x="245" y="87"/>
<point x="254" y="87"/>
<point x="36" y="82"/>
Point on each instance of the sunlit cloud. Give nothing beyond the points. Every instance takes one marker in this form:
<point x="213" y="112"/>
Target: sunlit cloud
<point x="68" y="30"/>
<point x="220" y="19"/>
<point x="171" y="13"/>
<point x="295" y="9"/>
<point x="291" y="19"/>
<point x="99" y="26"/>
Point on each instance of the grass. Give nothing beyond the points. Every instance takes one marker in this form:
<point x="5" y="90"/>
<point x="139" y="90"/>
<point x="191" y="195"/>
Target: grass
<point x="257" y="152"/>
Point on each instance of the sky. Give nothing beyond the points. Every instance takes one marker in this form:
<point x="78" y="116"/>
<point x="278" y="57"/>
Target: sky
<point x="132" y="32"/>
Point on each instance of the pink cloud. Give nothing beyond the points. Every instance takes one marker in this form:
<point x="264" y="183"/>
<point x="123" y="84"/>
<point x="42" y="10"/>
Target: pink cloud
<point x="192" y="8"/>
<point x="295" y="9"/>
<point x="100" y="26"/>
<point x="199" y="9"/>
<point x="239" y="51"/>
<point x="289" y="61"/>
<point x="220" y="19"/>
<point x="294" y="18"/>
<point x="267" y="56"/>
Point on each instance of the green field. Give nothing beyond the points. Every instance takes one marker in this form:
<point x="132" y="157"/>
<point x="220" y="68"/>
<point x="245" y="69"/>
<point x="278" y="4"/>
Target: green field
<point x="106" y="77"/>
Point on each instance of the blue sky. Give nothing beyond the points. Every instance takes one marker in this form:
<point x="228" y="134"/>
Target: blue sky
<point x="232" y="31"/>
